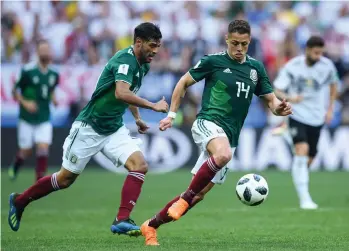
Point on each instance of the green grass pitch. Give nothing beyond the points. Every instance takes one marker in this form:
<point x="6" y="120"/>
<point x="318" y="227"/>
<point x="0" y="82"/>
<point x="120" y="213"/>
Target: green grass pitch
<point x="79" y="217"/>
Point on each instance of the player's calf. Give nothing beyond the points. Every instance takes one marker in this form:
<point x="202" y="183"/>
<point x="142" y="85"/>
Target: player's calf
<point x="21" y="156"/>
<point x="137" y="167"/>
<point x="41" y="160"/>
<point x="44" y="186"/>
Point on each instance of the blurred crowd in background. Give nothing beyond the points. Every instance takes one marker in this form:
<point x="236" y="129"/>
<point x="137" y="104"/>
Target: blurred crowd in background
<point x="90" y="32"/>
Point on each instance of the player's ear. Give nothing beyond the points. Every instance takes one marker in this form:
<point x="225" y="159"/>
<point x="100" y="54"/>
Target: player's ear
<point x="226" y="38"/>
<point x="138" y="42"/>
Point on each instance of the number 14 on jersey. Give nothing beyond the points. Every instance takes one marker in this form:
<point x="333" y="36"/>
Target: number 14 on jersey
<point x="241" y="88"/>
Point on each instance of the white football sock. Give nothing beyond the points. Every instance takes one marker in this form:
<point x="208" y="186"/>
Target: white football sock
<point x="300" y="176"/>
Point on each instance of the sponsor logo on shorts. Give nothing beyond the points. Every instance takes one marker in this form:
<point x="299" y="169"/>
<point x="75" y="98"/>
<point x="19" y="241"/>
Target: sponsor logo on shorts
<point x="73" y="159"/>
<point x="220" y="130"/>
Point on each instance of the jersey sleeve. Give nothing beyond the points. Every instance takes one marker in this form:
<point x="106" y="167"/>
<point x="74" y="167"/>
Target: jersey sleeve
<point x="123" y="68"/>
<point x="263" y="85"/>
<point x="283" y="79"/>
<point x="20" y="80"/>
<point x="201" y="70"/>
<point x="333" y="75"/>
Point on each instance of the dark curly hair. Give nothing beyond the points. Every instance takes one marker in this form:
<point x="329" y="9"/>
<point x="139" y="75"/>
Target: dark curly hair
<point x="239" y="26"/>
<point x="147" y="31"/>
<point x="315" y="41"/>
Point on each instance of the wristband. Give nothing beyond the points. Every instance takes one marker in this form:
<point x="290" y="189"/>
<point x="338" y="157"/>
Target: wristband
<point x="171" y="115"/>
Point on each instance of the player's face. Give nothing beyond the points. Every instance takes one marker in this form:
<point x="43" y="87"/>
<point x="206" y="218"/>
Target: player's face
<point x="314" y="54"/>
<point x="44" y="53"/>
<point x="238" y="45"/>
<point x="149" y="49"/>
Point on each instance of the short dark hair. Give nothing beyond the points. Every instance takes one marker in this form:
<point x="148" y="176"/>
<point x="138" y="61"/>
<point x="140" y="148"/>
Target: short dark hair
<point x="239" y="26"/>
<point x="147" y="31"/>
<point x="315" y="41"/>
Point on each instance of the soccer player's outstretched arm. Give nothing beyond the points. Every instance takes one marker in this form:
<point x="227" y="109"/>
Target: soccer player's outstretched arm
<point x="178" y="93"/>
<point x="200" y="71"/>
<point x="123" y="92"/>
<point x="265" y="91"/>
<point x="277" y="107"/>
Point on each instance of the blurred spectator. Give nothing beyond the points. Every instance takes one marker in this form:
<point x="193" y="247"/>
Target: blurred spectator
<point x="344" y="99"/>
<point x="90" y="32"/>
<point x="77" y="43"/>
<point x="12" y="37"/>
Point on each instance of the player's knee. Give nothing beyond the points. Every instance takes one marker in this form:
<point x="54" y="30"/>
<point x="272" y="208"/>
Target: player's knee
<point x="223" y="157"/>
<point x="25" y="153"/>
<point x="65" y="178"/>
<point x="302" y="149"/>
<point x="42" y="151"/>
<point x="141" y="166"/>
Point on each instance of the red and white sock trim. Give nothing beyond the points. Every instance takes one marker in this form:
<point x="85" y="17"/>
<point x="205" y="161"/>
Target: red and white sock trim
<point x="212" y="166"/>
<point x="139" y="176"/>
<point x="54" y="181"/>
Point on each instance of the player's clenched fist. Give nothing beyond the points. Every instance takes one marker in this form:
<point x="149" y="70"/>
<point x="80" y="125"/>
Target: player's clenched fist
<point x="165" y="123"/>
<point x="161" y="106"/>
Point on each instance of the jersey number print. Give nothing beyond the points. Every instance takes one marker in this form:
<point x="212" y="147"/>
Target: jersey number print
<point x="241" y="88"/>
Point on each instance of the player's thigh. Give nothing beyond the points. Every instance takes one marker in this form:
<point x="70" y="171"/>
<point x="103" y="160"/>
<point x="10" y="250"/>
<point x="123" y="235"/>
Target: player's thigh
<point x="204" y="132"/>
<point x="80" y="145"/>
<point x="123" y="150"/>
<point x="43" y="133"/>
<point x="299" y="136"/>
<point x="313" y="139"/>
<point x="25" y="135"/>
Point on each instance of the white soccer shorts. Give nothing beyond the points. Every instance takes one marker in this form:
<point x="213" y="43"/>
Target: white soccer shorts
<point x="29" y="134"/>
<point x="203" y="131"/>
<point x="83" y="142"/>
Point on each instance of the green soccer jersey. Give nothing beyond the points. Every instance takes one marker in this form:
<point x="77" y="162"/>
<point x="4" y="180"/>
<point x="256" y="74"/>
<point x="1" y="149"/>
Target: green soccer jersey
<point x="228" y="91"/>
<point x="37" y="86"/>
<point x="104" y="111"/>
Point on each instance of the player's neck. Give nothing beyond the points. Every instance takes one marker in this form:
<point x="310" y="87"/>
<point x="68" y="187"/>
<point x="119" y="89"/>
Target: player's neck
<point x="43" y="67"/>
<point x="239" y="61"/>
<point x="137" y="55"/>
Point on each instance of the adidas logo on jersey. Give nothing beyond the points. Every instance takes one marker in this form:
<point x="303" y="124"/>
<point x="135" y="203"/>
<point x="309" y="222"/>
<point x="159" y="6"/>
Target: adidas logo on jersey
<point x="227" y="70"/>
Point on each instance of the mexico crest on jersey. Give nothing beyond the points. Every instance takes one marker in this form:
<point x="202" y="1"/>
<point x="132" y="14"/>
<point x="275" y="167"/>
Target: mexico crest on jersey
<point x="36" y="80"/>
<point x="254" y="75"/>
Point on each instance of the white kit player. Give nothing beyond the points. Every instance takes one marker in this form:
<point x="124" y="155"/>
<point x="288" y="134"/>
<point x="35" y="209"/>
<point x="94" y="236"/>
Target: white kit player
<point x="304" y="81"/>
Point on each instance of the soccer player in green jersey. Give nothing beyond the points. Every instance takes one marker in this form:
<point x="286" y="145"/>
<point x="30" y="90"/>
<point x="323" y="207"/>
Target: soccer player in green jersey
<point x="100" y="128"/>
<point x="232" y="77"/>
<point x="34" y="90"/>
